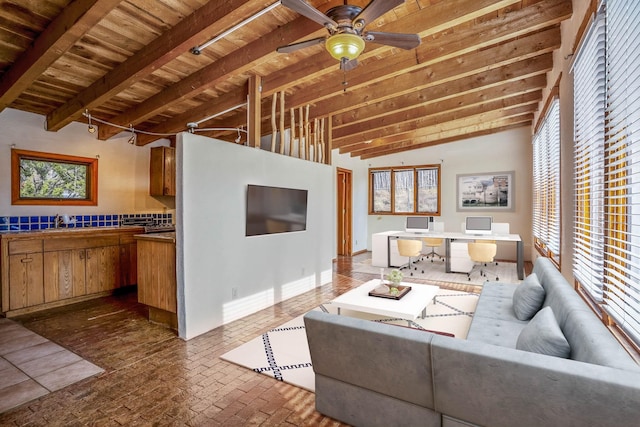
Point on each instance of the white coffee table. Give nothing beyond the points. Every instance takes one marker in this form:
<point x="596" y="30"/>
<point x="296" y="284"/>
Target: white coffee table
<point x="409" y="307"/>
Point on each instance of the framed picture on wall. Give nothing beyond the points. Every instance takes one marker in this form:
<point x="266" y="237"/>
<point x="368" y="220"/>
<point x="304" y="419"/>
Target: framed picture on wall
<point x="489" y="191"/>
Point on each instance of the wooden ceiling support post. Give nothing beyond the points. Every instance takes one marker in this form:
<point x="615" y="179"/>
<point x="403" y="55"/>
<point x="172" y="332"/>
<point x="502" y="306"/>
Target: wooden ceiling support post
<point x="329" y="139"/>
<point x="254" y="108"/>
<point x="282" y="135"/>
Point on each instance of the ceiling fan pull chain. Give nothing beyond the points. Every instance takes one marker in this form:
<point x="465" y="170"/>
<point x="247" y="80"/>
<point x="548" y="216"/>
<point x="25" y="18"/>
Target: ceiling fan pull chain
<point x="344" y="76"/>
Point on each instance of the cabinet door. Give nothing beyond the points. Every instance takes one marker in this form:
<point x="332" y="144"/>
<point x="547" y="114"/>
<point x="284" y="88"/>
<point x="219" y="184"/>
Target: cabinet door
<point x="64" y="274"/>
<point x="162" y="172"/>
<point x="128" y="264"/>
<point x="92" y="280"/>
<point x="108" y="267"/>
<point x="169" y="171"/>
<point x="26" y="279"/>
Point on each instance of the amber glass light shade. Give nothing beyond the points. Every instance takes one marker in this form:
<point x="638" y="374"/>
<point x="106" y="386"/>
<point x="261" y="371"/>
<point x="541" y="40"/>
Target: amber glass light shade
<point x="345" y="45"/>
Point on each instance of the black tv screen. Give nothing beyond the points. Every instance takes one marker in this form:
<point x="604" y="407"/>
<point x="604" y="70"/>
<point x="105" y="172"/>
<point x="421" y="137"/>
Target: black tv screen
<point x="275" y="210"/>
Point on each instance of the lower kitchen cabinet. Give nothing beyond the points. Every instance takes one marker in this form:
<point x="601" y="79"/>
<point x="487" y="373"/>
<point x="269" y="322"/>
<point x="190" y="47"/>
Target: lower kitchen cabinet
<point x="128" y="260"/>
<point x="65" y="274"/>
<point x="102" y="268"/>
<point x="157" y="277"/>
<point x="25" y="274"/>
<point x="48" y="269"/>
<point x="78" y="272"/>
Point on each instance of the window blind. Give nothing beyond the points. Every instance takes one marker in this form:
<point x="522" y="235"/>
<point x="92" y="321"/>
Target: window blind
<point x="546" y="178"/>
<point x="622" y="171"/>
<point x="588" y="134"/>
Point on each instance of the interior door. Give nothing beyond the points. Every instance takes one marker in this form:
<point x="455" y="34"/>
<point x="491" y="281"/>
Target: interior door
<point x="344" y="211"/>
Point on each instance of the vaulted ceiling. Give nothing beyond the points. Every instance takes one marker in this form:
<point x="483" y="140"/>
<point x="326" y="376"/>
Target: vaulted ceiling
<point x="480" y="68"/>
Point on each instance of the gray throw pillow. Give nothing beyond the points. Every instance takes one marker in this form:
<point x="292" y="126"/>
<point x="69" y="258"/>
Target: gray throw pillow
<point x="543" y="335"/>
<point x="528" y="297"/>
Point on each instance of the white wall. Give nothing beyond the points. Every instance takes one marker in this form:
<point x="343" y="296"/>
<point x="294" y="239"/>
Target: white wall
<point x="123" y="169"/>
<point x="505" y="151"/>
<point x="222" y="274"/>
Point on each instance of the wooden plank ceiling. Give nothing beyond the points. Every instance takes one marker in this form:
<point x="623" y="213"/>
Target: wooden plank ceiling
<point x="480" y="68"/>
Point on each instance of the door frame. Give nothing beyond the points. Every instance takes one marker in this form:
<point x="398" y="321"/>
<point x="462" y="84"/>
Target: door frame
<point x="344" y="209"/>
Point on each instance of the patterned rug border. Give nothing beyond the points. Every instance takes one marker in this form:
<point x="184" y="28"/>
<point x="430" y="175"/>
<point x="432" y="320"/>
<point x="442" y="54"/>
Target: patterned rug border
<point x="282" y="352"/>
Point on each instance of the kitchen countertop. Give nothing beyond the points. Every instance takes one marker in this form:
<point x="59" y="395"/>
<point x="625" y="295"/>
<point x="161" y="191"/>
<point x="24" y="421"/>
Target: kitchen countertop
<point x="167" y="237"/>
<point x="49" y="232"/>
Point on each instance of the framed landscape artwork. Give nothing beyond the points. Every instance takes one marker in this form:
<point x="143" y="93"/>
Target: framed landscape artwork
<point x="491" y="191"/>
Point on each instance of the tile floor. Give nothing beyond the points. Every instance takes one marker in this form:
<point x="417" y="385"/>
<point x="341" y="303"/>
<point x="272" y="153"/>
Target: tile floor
<point x="31" y="366"/>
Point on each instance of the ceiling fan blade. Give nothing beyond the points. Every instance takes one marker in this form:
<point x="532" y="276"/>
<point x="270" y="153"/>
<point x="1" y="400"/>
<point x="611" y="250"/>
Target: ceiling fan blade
<point x="374" y="10"/>
<point x="305" y="9"/>
<point x="300" y="45"/>
<point x="348" y="65"/>
<point x="401" y="40"/>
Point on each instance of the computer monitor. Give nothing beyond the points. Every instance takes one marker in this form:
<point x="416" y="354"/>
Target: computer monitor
<point x="417" y="224"/>
<point x="478" y="225"/>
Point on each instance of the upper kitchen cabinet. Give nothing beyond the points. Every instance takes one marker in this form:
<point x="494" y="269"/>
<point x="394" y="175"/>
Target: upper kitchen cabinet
<point x="163" y="171"/>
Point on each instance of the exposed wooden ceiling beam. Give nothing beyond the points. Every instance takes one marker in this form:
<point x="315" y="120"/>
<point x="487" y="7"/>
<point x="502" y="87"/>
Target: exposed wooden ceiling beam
<point x="458" y="136"/>
<point x="361" y="106"/>
<point x="437" y="138"/>
<point x="362" y="140"/>
<point x="440" y="16"/>
<point x="68" y="27"/>
<point x="445" y="46"/>
<point x="428" y="21"/>
<point x="376" y="71"/>
<point x="452" y="121"/>
<point x="240" y="61"/>
<point x="210" y="18"/>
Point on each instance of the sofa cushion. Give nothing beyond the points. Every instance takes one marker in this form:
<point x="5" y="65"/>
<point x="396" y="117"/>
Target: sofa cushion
<point x="543" y="335"/>
<point x="528" y="297"/>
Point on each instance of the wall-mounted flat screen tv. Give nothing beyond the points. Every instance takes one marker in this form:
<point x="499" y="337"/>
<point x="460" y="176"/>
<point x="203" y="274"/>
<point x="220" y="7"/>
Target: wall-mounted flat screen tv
<point x="275" y="210"/>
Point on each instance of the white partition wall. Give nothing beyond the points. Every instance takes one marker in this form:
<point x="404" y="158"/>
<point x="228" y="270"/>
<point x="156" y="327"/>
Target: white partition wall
<point x="223" y="275"/>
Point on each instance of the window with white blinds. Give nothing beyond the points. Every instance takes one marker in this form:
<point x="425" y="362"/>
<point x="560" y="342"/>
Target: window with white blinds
<point x="546" y="184"/>
<point x="622" y="166"/>
<point x="588" y="134"/>
<point x="607" y="164"/>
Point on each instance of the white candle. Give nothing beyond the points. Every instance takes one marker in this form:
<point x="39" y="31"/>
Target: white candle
<point x="382" y="275"/>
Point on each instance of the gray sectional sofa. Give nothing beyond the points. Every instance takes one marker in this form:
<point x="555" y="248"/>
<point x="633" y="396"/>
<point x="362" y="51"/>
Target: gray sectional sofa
<point x="375" y="374"/>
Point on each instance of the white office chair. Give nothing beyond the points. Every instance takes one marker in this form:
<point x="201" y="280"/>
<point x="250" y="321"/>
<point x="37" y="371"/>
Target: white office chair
<point x="482" y="253"/>
<point x="411" y="249"/>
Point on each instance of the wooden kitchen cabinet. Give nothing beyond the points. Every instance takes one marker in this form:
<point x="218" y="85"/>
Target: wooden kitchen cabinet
<point x="128" y="260"/>
<point x="157" y="277"/>
<point x="102" y="266"/>
<point x="85" y="264"/>
<point x="157" y="272"/>
<point x="48" y="269"/>
<point x="65" y="274"/>
<point x="25" y="268"/>
<point x="162" y="171"/>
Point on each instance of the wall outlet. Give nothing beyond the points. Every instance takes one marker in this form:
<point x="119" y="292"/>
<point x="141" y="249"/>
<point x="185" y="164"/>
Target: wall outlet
<point x="234" y="293"/>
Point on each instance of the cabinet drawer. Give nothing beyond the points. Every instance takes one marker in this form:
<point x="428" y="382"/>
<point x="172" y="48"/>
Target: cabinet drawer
<point x="80" y="243"/>
<point x="25" y="246"/>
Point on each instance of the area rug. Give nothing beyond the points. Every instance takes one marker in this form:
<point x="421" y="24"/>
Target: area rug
<point x="282" y="353"/>
<point x="425" y="269"/>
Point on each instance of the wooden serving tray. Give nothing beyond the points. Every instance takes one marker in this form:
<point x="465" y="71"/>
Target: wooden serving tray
<point x="402" y="291"/>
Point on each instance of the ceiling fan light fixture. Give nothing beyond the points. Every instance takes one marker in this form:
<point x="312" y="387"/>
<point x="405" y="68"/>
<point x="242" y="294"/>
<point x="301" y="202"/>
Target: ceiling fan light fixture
<point x="345" y="45"/>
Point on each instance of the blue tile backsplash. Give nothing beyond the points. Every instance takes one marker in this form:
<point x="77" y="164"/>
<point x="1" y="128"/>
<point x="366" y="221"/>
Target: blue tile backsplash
<point x="28" y="223"/>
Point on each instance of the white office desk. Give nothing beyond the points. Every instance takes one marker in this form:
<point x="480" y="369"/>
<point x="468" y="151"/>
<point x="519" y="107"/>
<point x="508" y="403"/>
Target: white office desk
<point x="449" y="236"/>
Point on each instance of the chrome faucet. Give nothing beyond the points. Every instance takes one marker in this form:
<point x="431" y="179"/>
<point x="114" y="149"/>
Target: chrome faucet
<point x="57" y="221"/>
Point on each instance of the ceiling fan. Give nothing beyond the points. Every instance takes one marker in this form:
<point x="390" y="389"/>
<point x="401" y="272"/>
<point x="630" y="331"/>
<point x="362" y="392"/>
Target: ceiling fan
<point x="346" y="24"/>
